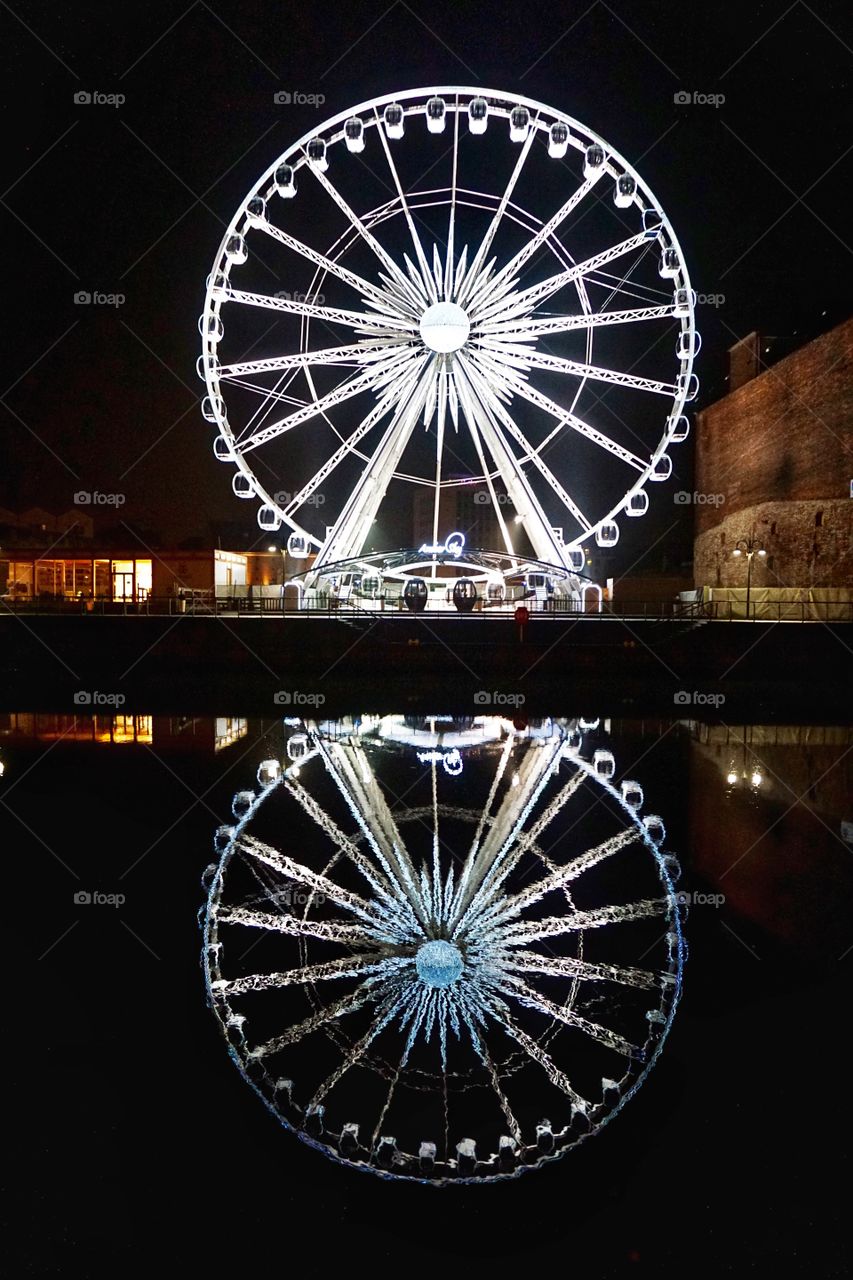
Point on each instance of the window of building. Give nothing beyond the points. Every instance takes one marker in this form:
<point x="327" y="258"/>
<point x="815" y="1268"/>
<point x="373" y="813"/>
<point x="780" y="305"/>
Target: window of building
<point x="818" y="520"/>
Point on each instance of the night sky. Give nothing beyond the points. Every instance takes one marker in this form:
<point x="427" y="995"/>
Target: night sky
<point x="132" y="199"/>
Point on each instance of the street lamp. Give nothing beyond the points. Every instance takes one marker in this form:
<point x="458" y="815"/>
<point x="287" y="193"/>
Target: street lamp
<point x="749" y="547"/>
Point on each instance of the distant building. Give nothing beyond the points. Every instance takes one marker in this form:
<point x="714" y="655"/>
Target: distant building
<point x="36" y="527"/>
<point x="116" y="574"/>
<point x="774" y="464"/>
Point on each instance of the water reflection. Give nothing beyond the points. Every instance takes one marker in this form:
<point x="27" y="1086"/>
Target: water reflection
<point x="440" y="948"/>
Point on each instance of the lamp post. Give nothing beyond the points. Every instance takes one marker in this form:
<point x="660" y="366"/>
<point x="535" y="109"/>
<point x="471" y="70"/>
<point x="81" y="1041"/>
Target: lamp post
<point x="749" y="547"/>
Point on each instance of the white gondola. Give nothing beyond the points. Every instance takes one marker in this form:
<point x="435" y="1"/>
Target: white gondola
<point x="210" y="327"/>
<point x="677" y="428"/>
<point x="436" y="110"/>
<point x="652" y="224"/>
<point x="285" y="181"/>
<point x="669" y="265"/>
<point x="588" y="726"/>
<point x="683" y="302"/>
<point x="558" y="140"/>
<point x="256" y="211"/>
<point x="220" y="289"/>
<point x="688" y="344"/>
<point x="604" y="763"/>
<point x="577" y="558"/>
<point x="222" y="450"/>
<point x="212" y="409"/>
<point x="235" y="249"/>
<point x="269" y="772"/>
<point x="632" y="794"/>
<point x="242" y="803"/>
<point x="393" y="118"/>
<point x="242" y="485"/>
<point x="593" y="161"/>
<point x="687" y="385"/>
<point x="655" y="829"/>
<point x="637" y="504"/>
<point x="297" y="546"/>
<point x="478" y="115"/>
<point x="624" y="191"/>
<point x="297" y="746"/>
<point x="661" y="468"/>
<point x="354" y="134"/>
<point x="268" y="517"/>
<point x="317" y="157"/>
<point x="519" y="124"/>
<point x="607" y="533"/>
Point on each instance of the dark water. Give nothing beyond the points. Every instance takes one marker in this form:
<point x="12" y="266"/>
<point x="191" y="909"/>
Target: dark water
<point x="136" y="1139"/>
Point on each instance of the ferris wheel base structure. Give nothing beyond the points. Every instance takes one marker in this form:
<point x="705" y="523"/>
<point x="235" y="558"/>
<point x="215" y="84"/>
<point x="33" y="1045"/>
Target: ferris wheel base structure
<point x="447" y="577"/>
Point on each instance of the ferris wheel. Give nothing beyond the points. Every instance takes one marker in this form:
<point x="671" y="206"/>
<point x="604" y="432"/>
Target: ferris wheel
<point x="443" y="291"/>
<point x="460" y="987"/>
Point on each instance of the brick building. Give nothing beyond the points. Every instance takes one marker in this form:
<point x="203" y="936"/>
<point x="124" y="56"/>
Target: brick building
<point x="774" y="461"/>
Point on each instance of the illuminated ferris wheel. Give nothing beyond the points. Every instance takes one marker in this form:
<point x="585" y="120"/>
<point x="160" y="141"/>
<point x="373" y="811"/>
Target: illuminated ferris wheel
<point x="458" y="986"/>
<point x="446" y="289"/>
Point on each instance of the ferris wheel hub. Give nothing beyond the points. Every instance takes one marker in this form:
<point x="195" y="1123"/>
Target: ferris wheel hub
<point x="445" y="327"/>
<point x="438" y="963"/>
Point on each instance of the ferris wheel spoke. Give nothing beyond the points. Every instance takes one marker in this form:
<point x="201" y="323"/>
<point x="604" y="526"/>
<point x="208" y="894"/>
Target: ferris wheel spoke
<point x="329" y="930"/>
<point x="527" y="961"/>
<point x="479" y="257"/>
<point x="331" y="1013"/>
<point x="518" y="303"/>
<point x="351" y="278"/>
<point x="419" y="300"/>
<point x="428" y="283"/>
<point x="531" y="452"/>
<point x="360" y="353"/>
<point x="356" y="966"/>
<point x="534" y="1051"/>
<point x="486" y="243"/>
<point x="580" y="921"/>
<point x="577" y="424"/>
<point x="522" y="329"/>
<point x="362" y="320"/>
<point x="526" y="995"/>
<point x="474" y="419"/>
<point x="506" y="273"/>
<point x="256" y="849"/>
<point x="524" y="359"/>
<point x="353" y="1055"/>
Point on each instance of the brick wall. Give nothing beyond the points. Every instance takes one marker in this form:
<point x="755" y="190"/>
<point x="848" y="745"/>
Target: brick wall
<point x="780" y="452"/>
